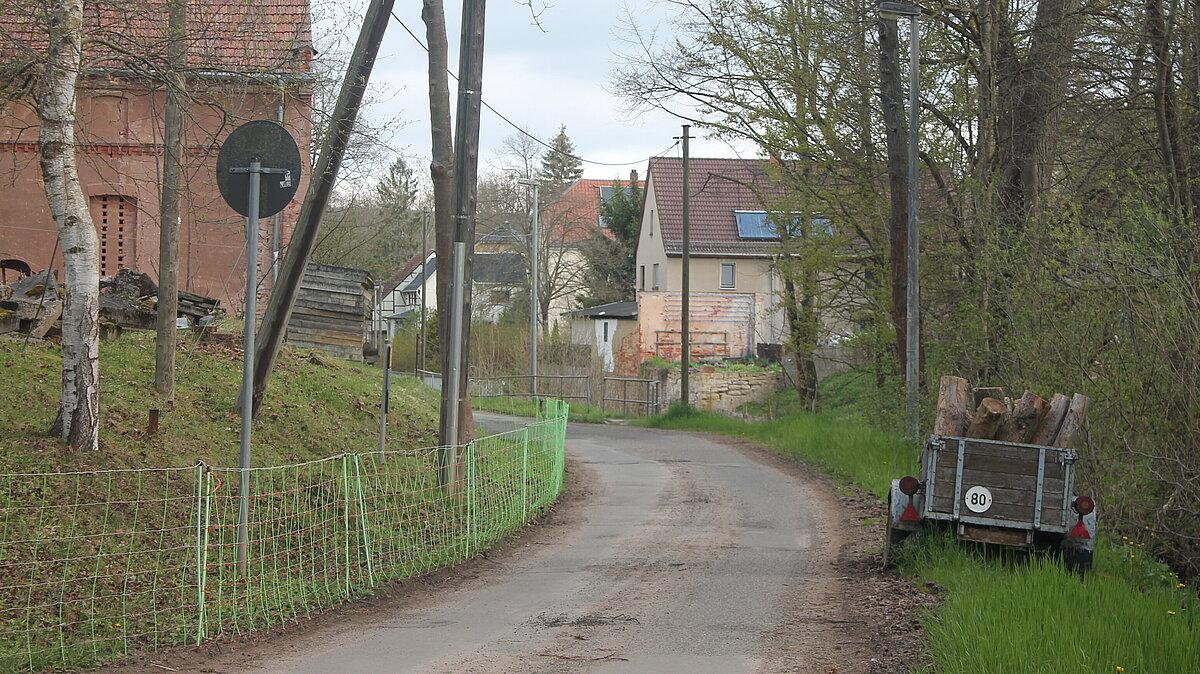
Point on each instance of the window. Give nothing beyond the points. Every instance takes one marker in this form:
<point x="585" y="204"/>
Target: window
<point x="605" y="324"/>
<point x="656" y="280"/>
<point x="651" y="222"/>
<point x="728" y="275"/>
<point x="642" y="272"/>
<point x="115" y="217"/>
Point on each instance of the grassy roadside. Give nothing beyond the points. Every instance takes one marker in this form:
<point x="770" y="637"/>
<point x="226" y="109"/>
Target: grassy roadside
<point x="523" y="407"/>
<point x="316" y="407"/>
<point x="1000" y="612"/>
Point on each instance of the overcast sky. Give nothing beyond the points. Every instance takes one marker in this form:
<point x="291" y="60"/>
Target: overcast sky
<point x="539" y="78"/>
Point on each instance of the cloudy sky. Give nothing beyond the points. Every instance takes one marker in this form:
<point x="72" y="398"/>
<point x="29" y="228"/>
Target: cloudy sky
<point x="540" y="78"/>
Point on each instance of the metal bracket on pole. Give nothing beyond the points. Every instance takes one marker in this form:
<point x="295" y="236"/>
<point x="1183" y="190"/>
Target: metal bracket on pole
<point x="453" y="377"/>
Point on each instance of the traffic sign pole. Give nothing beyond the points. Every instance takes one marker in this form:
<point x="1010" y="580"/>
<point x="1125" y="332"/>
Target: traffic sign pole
<point x="243" y="539"/>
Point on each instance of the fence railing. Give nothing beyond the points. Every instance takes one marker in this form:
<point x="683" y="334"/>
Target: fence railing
<point x="99" y="564"/>
<point x="628" y="395"/>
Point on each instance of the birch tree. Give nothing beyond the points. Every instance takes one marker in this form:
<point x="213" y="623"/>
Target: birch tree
<point x="78" y="420"/>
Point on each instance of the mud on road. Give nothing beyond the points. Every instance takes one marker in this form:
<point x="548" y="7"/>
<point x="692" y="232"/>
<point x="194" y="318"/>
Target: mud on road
<point x="670" y="552"/>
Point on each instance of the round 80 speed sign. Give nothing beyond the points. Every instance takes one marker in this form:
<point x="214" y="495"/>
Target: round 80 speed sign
<point x="978" y="499"/>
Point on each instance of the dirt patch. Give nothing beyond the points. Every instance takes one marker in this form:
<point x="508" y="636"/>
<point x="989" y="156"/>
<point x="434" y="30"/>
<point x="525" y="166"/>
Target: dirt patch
<point x="848" y="610"/>
<point x="225" y="655"/>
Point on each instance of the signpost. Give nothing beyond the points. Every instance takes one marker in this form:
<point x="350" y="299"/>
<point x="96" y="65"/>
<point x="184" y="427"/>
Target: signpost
<point x="254" y="150"/>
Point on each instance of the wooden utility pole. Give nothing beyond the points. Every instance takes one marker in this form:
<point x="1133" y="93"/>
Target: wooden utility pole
<point x="168" y="211"/>
<point x="456" y="425"/>
<point x="684" y="337"/>
<point x="422" y="343"/>
<point x="324" y="175"/>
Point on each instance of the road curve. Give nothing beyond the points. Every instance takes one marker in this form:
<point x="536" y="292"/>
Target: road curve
<point x="686" y="555"/>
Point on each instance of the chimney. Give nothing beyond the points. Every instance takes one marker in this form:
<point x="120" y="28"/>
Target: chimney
<point x="633" y="177"/>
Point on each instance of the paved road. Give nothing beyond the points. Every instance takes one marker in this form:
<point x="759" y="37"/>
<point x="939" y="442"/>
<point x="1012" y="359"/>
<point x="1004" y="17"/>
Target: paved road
<point x="676" y="554"/>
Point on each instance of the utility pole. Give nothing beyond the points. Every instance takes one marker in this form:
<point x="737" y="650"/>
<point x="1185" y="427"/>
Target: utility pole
<point x="912" y="369"/>
<point x="276" y="222"/>
<point x="466" y="165"/>
<point x="421" y="343"/>
<point x="534" y="278"/>
<point x="168" y="213"/>
<point x="324" y="175"/>
<point x="684" y="336"/>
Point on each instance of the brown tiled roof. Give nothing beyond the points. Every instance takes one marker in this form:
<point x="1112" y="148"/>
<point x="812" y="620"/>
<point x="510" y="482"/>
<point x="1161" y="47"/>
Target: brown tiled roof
<point x="227" y="36"/>
<point x="718" y="188"/>
<point x="575" y="216"/>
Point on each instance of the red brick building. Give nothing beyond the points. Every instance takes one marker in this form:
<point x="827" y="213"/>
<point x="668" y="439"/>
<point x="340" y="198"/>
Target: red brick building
<point x="246" y="60"/>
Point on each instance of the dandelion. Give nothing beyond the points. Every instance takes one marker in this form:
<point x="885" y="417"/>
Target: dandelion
<point x="1180" y="586"/>
<point x="1171" y="613"/>
<point x="1120" y="668"/>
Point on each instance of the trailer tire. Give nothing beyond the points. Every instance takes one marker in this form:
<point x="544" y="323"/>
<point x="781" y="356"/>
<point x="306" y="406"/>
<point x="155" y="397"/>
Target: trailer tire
<point x="894" y="538"/>
<point x="1077" y="560"/>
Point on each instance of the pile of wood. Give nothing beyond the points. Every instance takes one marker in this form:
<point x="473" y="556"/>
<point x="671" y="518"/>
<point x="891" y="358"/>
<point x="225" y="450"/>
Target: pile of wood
<point x="33" y="304"/>
<point x="988" y="413"/>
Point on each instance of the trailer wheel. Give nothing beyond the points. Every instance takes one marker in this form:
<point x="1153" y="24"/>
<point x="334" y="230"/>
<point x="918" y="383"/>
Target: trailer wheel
<point x="894" y="538"/>
<point x="1077" y="560"/>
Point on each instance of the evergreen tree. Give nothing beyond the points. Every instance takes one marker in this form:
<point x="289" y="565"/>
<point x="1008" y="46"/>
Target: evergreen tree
<point x="560" y="167"/>
<point x="610" y="274"/>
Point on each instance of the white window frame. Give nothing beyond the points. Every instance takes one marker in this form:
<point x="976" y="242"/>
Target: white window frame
<point x="657" y="280"/>
<point x="732" y="276"/>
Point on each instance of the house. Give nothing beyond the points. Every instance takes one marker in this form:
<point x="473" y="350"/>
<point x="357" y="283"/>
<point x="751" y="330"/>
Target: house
<point x="611" y="330"/>
<point x="496" y="275"/>
<point x="247" y="61"/>
<point x="569" y="222"/>
<point x="735" y="287"/>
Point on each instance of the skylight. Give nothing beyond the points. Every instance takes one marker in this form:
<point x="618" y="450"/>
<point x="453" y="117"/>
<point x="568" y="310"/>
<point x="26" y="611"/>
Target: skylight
<point x="757" y="226"/>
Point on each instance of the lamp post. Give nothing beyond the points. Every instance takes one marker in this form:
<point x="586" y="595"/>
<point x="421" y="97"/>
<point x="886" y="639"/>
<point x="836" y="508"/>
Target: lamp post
<point x="533" y="288"/>
<point x="893" y="11"/>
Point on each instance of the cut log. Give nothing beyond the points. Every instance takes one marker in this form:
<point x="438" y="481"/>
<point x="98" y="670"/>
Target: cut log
<point x="1020" y="424"/>
<point x="50" y="315"/>
<point x="1072" y="429"/>
<point x="988" y="418"/>
<point x="953" y="415"/>
<point x="982" y="392"/>
<point x="1048" y="429"/>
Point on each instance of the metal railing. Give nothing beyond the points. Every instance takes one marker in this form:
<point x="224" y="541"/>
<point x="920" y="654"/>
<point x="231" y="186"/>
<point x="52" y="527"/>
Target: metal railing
<point x="648" y="404"/>
<point x="99" y="564"/>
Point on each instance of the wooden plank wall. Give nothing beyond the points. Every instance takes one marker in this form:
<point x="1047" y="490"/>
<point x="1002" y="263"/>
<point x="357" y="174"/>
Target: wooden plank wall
<point x="332" y="311"/>
<point x="1011" y="475"/>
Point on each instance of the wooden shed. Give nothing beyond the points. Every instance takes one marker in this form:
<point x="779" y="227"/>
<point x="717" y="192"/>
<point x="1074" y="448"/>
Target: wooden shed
<point x="333" y="311"/>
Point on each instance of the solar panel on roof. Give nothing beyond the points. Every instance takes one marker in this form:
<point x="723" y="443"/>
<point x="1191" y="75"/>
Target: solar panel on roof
<point x="757" y="225"/>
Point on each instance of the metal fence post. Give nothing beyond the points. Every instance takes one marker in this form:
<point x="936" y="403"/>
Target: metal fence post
<point x="362" y="517"/>
<point x="201" y="530"/>
<point x="346" y="519"/>
<point x="525" y="474"/>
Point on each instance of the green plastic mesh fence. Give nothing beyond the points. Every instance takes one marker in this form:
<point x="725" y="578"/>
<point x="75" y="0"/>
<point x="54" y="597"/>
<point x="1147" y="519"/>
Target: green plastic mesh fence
<point x="96" y="565"/>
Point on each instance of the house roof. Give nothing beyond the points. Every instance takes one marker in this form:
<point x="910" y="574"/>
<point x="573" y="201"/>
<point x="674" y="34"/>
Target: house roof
<point x="408" y="274"/>
<point x="625" y="309"/>
<point x="718" y="187"/>
<point x="223" y="36"/>
<point x="498" y="268"/>
<point x="503" y="235"/>
<point x="575" y="216"/>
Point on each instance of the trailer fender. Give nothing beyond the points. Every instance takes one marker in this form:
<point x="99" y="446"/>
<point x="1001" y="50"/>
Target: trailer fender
<point x="898" y="502"/>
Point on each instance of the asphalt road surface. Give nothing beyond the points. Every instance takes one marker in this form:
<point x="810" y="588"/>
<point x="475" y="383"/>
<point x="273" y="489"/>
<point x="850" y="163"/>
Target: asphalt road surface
<point x="672" y="552"/>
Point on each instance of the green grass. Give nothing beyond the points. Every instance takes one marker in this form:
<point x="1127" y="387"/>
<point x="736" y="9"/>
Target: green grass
<point x="312" y="410"/>
<point x="1007" y="612"/>
<point x="1025" y="613"/>
<point x="850" y="451"/>
<point x="523" y="407"/>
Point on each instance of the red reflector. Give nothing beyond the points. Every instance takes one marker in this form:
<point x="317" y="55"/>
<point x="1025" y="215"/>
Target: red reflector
<point x="1080" y="530"/>
<point x="910" y="514"/>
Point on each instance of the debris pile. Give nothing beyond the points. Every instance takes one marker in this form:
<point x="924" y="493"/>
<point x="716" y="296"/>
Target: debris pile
<point x="33" y="305"/>
<point x="988" y="413"/>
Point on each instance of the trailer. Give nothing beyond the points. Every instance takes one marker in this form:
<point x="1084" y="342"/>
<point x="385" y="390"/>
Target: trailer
<point x="995" y="492"/>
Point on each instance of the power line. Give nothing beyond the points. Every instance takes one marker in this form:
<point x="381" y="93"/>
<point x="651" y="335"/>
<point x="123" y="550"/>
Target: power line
<point x="522" y="131"/>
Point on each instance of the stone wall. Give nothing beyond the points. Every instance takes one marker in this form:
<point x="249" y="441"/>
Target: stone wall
<point x="719" y="389"/>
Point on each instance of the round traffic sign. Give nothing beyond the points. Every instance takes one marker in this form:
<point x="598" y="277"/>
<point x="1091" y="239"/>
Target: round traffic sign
<point x="276" y="150"/>
<point x="978" y="499"/>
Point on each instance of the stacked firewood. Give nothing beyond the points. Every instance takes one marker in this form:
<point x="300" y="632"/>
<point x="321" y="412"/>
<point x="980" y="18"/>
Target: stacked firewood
<point x="989" y="413"/>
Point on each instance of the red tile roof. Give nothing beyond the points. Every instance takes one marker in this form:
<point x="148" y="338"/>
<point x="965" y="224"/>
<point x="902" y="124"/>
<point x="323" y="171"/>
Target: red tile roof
<point x="229" y="36"/>
<point x="718" y="188"/>
<point x="575" y="216"/>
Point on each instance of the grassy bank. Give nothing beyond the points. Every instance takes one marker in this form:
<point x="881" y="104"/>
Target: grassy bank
<point x="523" y="407"/>
<point x="315" y="407"/>
<point x="1001" y="612"/>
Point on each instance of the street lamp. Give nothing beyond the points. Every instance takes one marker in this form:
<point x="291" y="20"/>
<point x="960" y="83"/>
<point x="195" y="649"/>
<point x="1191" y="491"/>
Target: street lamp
<point x="893" y="11"/>
<point x="533" y="288"/>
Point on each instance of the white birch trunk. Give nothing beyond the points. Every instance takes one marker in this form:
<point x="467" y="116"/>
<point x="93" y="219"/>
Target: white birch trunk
<point x="78" y="420"/>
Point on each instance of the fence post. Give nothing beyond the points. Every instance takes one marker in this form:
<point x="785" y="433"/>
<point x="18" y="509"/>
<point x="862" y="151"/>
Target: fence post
<point x="525" y="474"/>
<point x="201" y="531"/>
<point x="362" y="517"/>
<point x="346" y="519"/>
